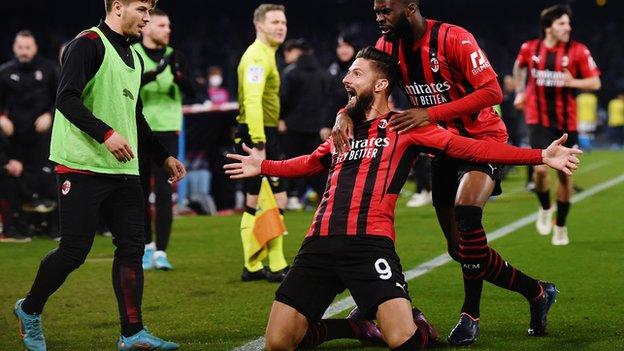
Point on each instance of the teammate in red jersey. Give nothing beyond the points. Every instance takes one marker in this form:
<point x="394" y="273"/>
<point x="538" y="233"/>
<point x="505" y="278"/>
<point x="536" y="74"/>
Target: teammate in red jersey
<point x="556" y="67"/>
<point x="450" y="82"/>
<point x="350" y="244"/>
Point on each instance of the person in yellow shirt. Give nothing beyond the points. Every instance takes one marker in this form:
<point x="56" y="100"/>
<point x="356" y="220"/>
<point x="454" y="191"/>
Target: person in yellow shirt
<point x="616" y="120"/>
<point x="258" y="97"/>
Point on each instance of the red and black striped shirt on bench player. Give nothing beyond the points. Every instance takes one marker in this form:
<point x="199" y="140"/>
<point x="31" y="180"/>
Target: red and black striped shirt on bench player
<point x="363" y="185"/>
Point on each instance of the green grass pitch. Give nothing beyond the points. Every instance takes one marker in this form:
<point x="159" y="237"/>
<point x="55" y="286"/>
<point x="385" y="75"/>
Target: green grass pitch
<point x="203" y="305"/>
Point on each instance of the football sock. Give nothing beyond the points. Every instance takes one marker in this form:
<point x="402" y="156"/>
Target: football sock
<point x="128" y="286"/>
<point x="482" y="262"/>
<point x="275" y="247"/>
<point x="329" y="329"/>
<point x="544" y="198"/>
<point x="418" y="341"/>
<point x="472" y="297"/>
<point x="246" y="228"/>
<point x="562" y="212"/>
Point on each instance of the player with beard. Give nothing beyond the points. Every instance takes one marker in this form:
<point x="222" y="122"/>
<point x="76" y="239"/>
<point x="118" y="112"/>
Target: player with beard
<point x="350" y="244"/>
<point x="449" y="82"/>
<point x="97" y="127"/>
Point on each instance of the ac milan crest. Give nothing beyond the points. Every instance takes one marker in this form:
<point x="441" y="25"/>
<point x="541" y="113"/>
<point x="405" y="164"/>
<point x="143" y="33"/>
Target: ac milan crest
<point x="435" y="65"/>
<point x="65" y="187"/>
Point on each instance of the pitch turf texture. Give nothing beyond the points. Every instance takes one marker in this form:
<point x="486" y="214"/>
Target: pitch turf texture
<point x="203" y="305"/>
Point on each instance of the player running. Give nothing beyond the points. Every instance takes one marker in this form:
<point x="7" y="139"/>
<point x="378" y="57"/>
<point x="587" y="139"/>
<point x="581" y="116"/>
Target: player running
<point x="97" y="128"/>
<point x="350" y="244"/>
<point x="449" y="82"/>
<point x="556" y="67"/>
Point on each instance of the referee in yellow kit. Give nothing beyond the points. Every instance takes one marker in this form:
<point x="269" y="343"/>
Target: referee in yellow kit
<point x="258" y="96"/>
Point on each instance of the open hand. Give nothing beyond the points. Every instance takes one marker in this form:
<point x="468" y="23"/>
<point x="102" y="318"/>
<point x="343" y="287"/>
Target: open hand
<point x="560" y="157"/>
<point x="249" y="166"/>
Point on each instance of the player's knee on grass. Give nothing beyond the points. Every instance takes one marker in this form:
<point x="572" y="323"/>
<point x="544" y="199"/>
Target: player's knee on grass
<point x="396" y="321"/>
<point x="285" y="329"/>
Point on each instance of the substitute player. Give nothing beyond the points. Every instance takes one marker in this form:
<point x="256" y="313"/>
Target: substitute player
<point x="556" y="67"/>
<point x="161" y="92"/>
<point x="350" y="244"/>
<point x="95" y="135"/>
<point x="449" y="81"/>
<point x="258" y="96"/>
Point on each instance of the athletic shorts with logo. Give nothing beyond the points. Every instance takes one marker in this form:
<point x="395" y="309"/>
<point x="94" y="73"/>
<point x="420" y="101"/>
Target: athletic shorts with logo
<point x="447" y="173"/>
<point x="273" y="152"/>
<point x="325" y="266"/>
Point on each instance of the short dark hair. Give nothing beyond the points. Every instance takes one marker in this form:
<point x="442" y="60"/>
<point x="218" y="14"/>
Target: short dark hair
<point x="25" y="33"/>
<point x="384" y="63"/>
<point x="157" y="11"/>
<point x="299" y="43"/>
<point x="261" y="11"/>
<point x="551" y="14"/>
<point x="109" y="3"/>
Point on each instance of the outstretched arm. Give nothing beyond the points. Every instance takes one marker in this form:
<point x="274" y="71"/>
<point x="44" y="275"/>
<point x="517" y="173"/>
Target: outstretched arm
<point x="555" y="156"/>
<point x="253" y="164"/>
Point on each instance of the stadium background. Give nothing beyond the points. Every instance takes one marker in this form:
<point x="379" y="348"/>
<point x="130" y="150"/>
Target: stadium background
<point x="217" y="32"/>
<point x="204" y="306"/>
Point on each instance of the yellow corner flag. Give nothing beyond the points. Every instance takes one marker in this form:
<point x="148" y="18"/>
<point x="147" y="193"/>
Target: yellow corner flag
<point x="268" y="223"/>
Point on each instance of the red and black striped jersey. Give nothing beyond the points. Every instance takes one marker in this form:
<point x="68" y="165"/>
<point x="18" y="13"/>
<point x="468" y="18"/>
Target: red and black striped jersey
<point x="363" y="184"/>
<point x="547" y="101"/>
<point x="444" y="65"/>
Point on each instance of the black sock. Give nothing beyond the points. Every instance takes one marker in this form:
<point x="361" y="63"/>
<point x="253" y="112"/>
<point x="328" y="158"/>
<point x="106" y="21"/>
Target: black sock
<point x="562" y="212"/>
<point x="544" y="198"/>
<point x="529" y="174"/>
<point x="472" y="297"/>
<point x="502" y="274"/>
<point x="128" y="286"/>
<point x="329" y="329"/>
<point x="418" y="341"/>
<point x="479" y="261"/>
<point x="472" y="255"/>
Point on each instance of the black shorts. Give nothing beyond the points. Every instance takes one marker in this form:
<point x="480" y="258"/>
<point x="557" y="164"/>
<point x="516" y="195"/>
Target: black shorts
<point x="273" y="152"/>
<point x="446" y="173"/>
<point x="541" y="136"/>
<point x="325" y="266"/>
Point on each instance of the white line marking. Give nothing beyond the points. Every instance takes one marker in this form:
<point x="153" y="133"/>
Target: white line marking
<point x="347" y="303"/>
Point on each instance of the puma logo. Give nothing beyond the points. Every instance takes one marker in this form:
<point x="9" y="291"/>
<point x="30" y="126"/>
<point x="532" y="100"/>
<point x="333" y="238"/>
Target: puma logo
<point x="128" y="94"/>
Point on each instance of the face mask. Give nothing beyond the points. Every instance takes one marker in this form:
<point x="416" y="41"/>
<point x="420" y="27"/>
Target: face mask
<point x="215" y="80"/>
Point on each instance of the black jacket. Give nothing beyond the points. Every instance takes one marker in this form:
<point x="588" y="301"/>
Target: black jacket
<point x="338" y="97"/>
<point x="4" y="152"/>
<point x="27" y="90"/>
<point x="303" y="95"/>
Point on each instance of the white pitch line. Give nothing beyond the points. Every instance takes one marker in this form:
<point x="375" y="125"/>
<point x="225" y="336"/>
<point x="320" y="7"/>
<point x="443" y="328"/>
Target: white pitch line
<point x="424" y="268"/>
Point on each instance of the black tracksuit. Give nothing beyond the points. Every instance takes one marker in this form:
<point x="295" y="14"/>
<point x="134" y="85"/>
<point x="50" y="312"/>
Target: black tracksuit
<point x="84" y="196"/>
<point x="303" y="98"/>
